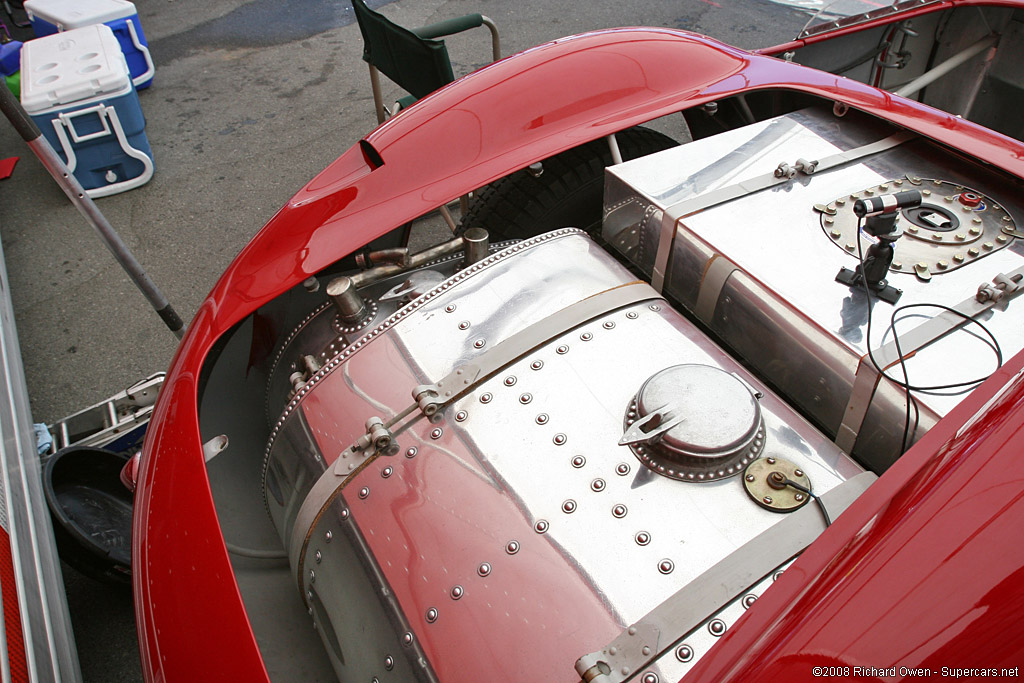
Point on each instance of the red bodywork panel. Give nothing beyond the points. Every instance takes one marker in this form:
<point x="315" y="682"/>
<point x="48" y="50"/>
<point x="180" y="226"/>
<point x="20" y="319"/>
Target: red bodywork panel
<point x="502" y="118"/>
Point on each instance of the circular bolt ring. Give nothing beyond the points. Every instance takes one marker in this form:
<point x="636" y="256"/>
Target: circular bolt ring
<point x="569" y="506"/>
<point x="541" y="526"/>
<point x="666" y="566"/>
<point x="684" y="653"/>
<point x="364" y="492"/>
<point x="597" y="485"/>
<point x="642" y="538"/>
<point x="457" y="592"/>
<point x="542" y="418"/>
<point x="431" y="615"/>
<point x="579" y="461"/>
<point x="510" y="380"/>
<point x="716" y="627"/>
<point x="411" y="453"/>
<point x="389" y="663"/>
<point x="650" y="677"/>
<point x="484" y="569"/>
<point x="461" y="416"/>
<point x="486" y="398"/>
<point x="619" y="511"/>
<point x="536" y="365"/>
<point x="559" y="439"/>
<point x="748" y="600"/>
<point x="512" y="547"/>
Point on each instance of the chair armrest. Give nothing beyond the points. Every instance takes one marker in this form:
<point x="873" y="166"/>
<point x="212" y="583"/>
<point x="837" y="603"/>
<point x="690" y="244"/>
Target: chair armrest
<point x="449" y="26"/>
<point x="459" y="24"/>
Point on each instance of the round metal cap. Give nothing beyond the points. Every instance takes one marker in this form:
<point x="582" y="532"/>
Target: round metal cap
<point x="695" y="423"/>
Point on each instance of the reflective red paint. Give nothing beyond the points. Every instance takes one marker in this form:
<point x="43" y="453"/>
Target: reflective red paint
<point x="190" y="615"/>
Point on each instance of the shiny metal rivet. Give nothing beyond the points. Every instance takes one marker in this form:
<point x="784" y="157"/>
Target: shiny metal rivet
<point x="767" y="500"/>
<point x="750" y="477"/>
<point x="579" y="461"/>
<point x="798" y="473"/>
<point x="748" y="600"/>
<point x="479" y="343"/>
<point x="364" y="492"/>
<point x="650" y="677"/>
<point x="835" y="233"/>
<point x="436" y="433"/>
<point x="411" y="452"/>
<point x="684" y="653"/>
<point x="619" y="511"/>
<point x="312" y="576"/>
<point x="510" y="380"/>
<point x="666" y="566"/>
<point x="389" y="663"/>
<point x="525" y="398"/>
<point x="562" y="350"/>
<point x="642" y="538"/>
<point x="457" y="592"/>
<point x="850" y="246"/>
<point x="387" y="472"/>
<point x="597" y="485"/>
<point x="484" y="569"/>
<point x="486" y="398"/>
<point x="632" y="315"/>
<point x="461" y="416"/>
<point x="655" y="307"/>
<point x="716" y="627"/>
<point x="431" y="615"/>
<point x="798" y="497"/>
<point x="771" y="461"/>
<point x="328" y="536"/>
<point x="464" y="325"/>
<point x="541" y="526"/>
<point x="608" y="325"/>
<point x="1002" y="239"/>
<point x="407" y="639"/>
<point x="586" y="336"/>
<point x="988" y="245"/>
<point x="973" y="251"/>
<point x="569" y="506"/>
<point x="542" y="419"/>
<point x="959" y="258"/>
<point x="344" y="515"/>
<point x="559" y="439"/>
<point x="536" y="365"/>
<point x="450" y="308"/>
<point x="622" y="469"/>
<point x="512" y="547"/>
<point x="776" y="575"/>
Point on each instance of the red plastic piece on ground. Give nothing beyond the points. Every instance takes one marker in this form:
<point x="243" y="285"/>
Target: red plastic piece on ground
<point x="7" y="167"/>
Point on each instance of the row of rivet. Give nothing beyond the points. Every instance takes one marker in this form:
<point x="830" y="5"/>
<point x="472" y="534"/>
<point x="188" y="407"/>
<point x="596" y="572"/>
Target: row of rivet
<point x="344" y="355"/>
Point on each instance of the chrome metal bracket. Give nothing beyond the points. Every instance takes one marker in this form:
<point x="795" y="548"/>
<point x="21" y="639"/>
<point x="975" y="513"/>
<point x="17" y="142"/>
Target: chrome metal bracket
<point x="671" y="621"/>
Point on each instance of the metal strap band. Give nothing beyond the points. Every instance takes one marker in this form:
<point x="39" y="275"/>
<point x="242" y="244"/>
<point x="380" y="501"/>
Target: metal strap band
<point x="718" y="272"/>
<point x="671" y="621"/>
<point x="887" y="356"/>
<point x="688" y="207"/>
<point x="457" y="383"/>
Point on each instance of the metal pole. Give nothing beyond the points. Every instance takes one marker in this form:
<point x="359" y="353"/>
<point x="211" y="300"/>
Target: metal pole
<point x="30" y="133"/>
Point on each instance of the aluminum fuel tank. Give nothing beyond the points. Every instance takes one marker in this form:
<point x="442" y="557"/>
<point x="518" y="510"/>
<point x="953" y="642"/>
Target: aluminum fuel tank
<point x="749" y="229"/>
<point x="508" y="471"/>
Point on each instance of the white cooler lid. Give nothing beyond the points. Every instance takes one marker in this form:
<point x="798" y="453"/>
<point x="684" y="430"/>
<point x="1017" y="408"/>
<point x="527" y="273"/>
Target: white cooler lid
<point x="72" y="66"/>
<point x="69" y="14"/>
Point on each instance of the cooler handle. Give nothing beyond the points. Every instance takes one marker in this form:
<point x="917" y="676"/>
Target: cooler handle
<point x="69" y="152"/>
<point x="145" y="52"/>
<point x="67" y="120"/>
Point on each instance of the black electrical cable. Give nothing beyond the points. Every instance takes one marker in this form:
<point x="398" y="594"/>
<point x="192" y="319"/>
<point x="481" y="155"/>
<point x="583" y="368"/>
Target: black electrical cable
<point x="815" y="496"/>
<point x="907" y="386"/>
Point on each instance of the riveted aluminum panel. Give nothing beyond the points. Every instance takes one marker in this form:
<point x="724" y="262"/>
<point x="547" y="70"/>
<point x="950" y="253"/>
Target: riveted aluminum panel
<point x="514" y="516"/>
<point x="781" y="310"/>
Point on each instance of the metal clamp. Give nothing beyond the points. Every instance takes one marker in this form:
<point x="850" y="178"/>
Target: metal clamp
<point x="1000" y="288"/>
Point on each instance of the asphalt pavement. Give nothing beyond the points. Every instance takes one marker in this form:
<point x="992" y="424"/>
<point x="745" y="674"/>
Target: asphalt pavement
<point x="250" y="101"/>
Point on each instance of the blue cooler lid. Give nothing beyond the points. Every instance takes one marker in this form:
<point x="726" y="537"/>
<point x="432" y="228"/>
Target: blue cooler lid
<point x="71" y="67"/>
<point x="69" y="14"/>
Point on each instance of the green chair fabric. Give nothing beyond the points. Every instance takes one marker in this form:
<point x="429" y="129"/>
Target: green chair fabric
<point x="417" y="64"/>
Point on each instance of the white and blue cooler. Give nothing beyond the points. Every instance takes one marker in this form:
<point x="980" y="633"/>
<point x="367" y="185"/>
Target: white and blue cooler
<point x="53" y="16"/>
<point x="76" y="87"/>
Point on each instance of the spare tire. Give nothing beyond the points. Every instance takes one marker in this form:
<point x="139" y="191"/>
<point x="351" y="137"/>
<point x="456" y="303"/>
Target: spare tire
<point x="569" y="192"/>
